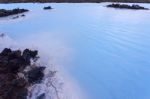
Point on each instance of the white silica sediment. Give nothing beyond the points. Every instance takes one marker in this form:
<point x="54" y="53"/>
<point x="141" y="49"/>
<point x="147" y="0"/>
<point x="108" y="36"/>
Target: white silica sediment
<point x="55" y="84"/>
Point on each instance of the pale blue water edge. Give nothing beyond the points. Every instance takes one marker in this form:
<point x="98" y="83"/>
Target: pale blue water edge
<point x="111" y="47"/>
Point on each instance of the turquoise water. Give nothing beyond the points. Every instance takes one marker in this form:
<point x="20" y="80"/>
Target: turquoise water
<point x="110" y="48"/>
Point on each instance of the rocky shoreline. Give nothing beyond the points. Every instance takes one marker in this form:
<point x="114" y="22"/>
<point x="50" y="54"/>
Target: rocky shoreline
<point x="125" y="6"/>
<point x="18" y="72"/>
<point x="4" y="12"/>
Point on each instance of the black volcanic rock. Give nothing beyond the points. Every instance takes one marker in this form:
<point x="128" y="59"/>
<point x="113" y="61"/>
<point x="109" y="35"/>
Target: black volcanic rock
<point x="13" y="86"/>
<point x="5" y="52"/>
<point x="4" y="12"/>
<point x="47" y="8"/>
<point x="35" y="75"/>
<point x="125" y="6"/>
<point x="28" y="54"/>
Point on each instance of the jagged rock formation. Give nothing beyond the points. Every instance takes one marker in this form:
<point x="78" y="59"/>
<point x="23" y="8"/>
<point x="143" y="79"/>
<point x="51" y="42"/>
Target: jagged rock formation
<point x="13" y="64"/>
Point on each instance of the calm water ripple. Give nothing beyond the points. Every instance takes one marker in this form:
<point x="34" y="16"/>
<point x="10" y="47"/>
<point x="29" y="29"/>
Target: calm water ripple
<point x="111" y="47"/>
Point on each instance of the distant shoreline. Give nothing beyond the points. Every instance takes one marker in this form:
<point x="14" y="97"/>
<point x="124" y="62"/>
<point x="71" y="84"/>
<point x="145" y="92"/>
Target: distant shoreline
<point x="73" y="1"/>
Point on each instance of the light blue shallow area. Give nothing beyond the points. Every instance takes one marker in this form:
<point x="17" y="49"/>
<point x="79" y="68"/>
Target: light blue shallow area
<point x="111" y="46"/>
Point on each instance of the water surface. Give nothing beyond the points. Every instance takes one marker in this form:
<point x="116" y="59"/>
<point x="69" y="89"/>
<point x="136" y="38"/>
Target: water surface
<point x="110" y="48"/>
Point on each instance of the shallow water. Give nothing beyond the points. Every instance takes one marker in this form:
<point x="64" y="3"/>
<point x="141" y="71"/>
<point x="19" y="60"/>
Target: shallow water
<point x="106" y="51"/>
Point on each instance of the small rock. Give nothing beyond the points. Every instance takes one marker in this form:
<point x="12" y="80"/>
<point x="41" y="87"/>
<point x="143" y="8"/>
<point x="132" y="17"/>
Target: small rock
<point x="47" y="8"/>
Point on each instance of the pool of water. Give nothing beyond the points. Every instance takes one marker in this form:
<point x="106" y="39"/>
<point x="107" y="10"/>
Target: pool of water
<point x="105" y="50"/>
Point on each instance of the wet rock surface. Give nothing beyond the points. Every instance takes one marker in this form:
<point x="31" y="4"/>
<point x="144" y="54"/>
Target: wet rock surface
<point x="125" y="6"/>
<point x="13" y="86"/>
<point x="4" y="13"/>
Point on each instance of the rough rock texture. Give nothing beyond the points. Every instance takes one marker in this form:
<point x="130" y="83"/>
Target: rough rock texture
<point x="125" y="6"/>
<point x="4" y="12"/>
<point x="35" y="75"/>
<point x="12" y="86"/>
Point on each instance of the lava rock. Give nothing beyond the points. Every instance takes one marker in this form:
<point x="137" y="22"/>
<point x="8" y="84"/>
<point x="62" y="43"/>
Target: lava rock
<point x="47" y="8"/>
<point x="6" y="52"/>
<point x="4" y="12"/>
<point x="28" y="54"/>
<point x="125" y="6"/>
<point x="22" y="94"/>
<point x="15" y="54"/>
<point x="35" y="75"/>
<point x="12" y="86"/>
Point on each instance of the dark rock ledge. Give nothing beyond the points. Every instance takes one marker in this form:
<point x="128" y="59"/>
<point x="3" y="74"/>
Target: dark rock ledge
<point x="13" y="64"/>
<point x="4" y="12"/>
<point x="125" y="6"/>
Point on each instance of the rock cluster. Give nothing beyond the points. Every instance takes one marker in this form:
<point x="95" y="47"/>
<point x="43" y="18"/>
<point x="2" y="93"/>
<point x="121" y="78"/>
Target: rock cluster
<point x="47" y="8"/>
<point x="13" y="64"/>
<point x="125" y="6"/>
<point x="4" y="12"/>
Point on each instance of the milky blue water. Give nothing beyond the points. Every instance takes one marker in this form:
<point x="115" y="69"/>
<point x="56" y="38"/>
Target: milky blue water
<point x="111" y="47"/>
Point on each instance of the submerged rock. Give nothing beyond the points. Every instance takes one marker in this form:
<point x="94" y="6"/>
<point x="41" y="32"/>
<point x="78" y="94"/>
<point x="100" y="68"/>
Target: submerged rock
<point x="23" y="15"/>
<point x="47" y="8"/>
<point x="125" y="6"/>
<point x="2" y="35"/>
<point x="4" y="12"/>
<point x="42" y="96"/>
<point x="15" y="17"/>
